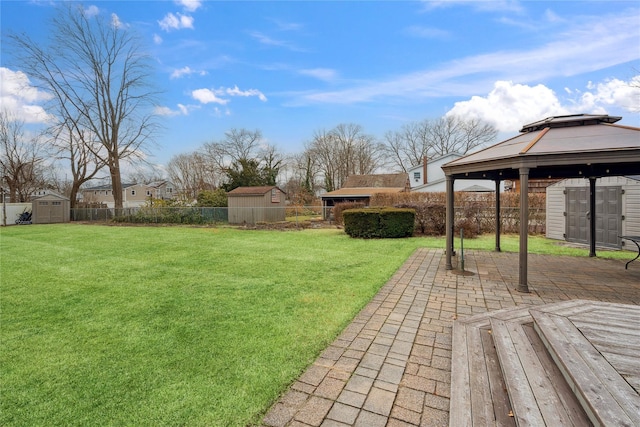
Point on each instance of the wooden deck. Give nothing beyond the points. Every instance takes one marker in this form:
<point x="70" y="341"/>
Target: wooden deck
<point x="573" y="363"/>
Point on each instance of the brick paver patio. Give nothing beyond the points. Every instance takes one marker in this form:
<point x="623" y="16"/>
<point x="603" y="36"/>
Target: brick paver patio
<point x="392" y="365"/>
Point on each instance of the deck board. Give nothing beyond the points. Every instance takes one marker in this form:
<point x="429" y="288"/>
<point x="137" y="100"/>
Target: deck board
<point x="570" y="363"/>
<point x="608" y="398"/>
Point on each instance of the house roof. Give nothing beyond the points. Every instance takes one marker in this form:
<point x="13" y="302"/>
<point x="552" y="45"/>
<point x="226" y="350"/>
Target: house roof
<point x="107" y="187"/>
<point x="361" y="192"/>
<point x="478" y="189"/>
<point x="252" y="191"/>
<point x="557" y="147"/>
<point x="377" y="181"/>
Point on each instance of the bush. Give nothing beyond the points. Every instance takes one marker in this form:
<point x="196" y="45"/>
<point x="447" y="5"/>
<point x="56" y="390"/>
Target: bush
<point x="340" y="207"/>
<point x="214" y="199"/>
<point x="379" y="223"/>
<point x="430" y="218"/>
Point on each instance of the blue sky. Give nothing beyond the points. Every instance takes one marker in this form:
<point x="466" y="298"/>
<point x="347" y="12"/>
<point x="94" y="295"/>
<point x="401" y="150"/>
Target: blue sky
<point x="290" y="68"/>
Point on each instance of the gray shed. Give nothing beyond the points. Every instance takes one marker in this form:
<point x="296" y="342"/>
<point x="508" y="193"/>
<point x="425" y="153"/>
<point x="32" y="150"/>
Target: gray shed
<point x="250" y="205"/>
<point x="617" y="210"/>
<point x="50" y="208"/>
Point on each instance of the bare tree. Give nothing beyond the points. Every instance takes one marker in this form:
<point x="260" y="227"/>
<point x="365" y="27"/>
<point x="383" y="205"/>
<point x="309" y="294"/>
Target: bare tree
<point x="22" y="160"/>
<point x="191" y="174"/>
<point x="78" y="146"/>
<point x="237" y="144"/>
<point x="432" y="138"/>
<point x="100" y="79"/>
<point x="453" y="134"/>
<point x="343" y="151"/>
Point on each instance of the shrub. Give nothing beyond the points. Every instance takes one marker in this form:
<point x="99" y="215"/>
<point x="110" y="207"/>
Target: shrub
<point x="379" y="223"/>
<point x="217" y="198"/>
<point x="340" y="207"/>
<point x="430" y="218"/>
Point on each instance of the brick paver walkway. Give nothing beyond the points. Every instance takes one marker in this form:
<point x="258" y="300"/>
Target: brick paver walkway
<point x="392" y="365"/>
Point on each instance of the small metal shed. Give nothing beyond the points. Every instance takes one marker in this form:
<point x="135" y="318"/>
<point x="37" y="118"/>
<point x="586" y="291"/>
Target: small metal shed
<point x="50" y="208"/>
<point x="250" y="205"/>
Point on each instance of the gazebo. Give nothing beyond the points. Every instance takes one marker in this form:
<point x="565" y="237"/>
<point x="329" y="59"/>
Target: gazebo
<point x="583" y="145"/>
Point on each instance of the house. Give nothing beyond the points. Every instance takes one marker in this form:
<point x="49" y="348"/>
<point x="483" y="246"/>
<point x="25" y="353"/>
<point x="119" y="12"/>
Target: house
<point x="360" y="188"/>
<point x="617" y="210"/>
<point x="429" y="177"/>
<point x="250" y="205"/>
<point x="133" y="195"/>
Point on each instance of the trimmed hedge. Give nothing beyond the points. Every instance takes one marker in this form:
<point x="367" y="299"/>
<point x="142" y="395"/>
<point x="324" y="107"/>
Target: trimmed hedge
<point x="371" y="223"/>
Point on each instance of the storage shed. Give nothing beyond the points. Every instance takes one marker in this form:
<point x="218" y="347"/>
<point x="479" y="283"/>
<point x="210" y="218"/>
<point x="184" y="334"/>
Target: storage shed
<point x="250" y="205"/>
<point x="617" y="210"/>
<point x="50" y="208"/>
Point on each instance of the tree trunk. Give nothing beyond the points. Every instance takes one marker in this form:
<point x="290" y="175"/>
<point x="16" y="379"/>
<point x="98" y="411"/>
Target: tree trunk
<point x="73" y="195"/>
<point x="116" y="184"/>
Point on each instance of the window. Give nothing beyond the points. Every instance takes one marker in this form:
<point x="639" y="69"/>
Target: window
<point x="275" y="195"/>
<point x="416" y="176"/>
<point x="133" y="192"/>
<point x="56" y="203"/>
<point x="43" y="203"/>
<point x="148" y="192"/>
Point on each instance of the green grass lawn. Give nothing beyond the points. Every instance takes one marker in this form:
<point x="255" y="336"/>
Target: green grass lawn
<point x="172" y="326"/>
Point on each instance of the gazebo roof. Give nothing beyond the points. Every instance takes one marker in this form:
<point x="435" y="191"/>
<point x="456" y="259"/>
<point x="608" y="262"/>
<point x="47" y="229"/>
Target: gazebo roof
<point x="557" y="147"/>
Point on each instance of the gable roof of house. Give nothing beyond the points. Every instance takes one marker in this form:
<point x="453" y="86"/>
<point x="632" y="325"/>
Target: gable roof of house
<point x="398" y="180"/>
<point x="107" y="187"/>
<point x="252" y="191"/>
<point x="360" y="191"/>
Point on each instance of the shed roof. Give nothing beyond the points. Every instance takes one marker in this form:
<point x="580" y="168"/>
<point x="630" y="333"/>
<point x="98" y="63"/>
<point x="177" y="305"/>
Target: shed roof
<point x="252" y="191"/>
<point x="50" y="196"/>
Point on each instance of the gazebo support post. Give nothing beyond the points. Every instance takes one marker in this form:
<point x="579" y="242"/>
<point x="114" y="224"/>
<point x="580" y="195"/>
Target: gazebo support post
<point x="524" y="229"/>
<point x="449" y="221"/>
<point x="592" y="215"/>
<point x="498" y="219"/>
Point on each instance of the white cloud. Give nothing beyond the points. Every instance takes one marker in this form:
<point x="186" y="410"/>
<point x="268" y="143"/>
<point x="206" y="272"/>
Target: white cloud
<point x="250" y="92"/>
<point x="20" y="99"/>
<point x="115" y="21"/>
<point x="165" y="111"/>
<point x="176" y="22"/>
<point x="190" y="5"/>
<point x="508" y="106"/>
<point x="207" y="96"/>
<point x="157" y="39"/>
<point x="326" y="74"/>
<point x="182" y="110"/>
<point x="91" y="11"/>
<point x="184" y="71"/>
<point x="216" y="96"/>
<point x="611" y="92"/>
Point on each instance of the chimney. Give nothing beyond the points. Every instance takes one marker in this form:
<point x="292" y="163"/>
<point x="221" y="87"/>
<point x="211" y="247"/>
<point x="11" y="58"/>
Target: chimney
<point x="424" y="170"/>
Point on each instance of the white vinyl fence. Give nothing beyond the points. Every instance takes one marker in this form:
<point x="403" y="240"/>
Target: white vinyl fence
<point x="13" y="212"/>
